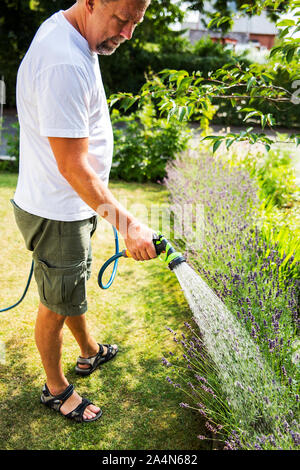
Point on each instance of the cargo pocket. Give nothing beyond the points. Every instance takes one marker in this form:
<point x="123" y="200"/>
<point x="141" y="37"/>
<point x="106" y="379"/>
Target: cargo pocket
<point x="65" y="285"/>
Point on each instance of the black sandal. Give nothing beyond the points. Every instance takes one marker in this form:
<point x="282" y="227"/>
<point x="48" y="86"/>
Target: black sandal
<point x="95" y="361"/>
<point x="56" y="401"/>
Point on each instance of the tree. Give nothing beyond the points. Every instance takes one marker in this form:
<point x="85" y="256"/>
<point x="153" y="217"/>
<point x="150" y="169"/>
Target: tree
<point x="223" y="10"/>
<point x="182" y="95"/>
<point x="18" y="23"/>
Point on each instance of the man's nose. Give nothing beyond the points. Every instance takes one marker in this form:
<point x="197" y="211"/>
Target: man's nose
<point x="127" y="31"/>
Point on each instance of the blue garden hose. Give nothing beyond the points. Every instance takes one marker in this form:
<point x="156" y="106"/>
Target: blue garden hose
<point x="101" y="272"/>
<point x="115" y="259"/>
<point x="161" y="246"/>
<point x="24" y="293"/>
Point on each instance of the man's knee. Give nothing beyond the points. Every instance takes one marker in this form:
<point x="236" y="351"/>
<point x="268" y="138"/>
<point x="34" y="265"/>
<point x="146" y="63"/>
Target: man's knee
<point x="50" y="316"/>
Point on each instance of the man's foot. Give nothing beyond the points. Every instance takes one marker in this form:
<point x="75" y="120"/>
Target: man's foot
<point x="87" y="365"/>
<point x="93" y="354"/>
<point x="75" y="400"/>
<point x="70" y="404"/>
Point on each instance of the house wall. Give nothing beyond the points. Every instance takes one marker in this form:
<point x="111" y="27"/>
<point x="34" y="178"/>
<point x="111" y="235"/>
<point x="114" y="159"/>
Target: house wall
<point x="266" y="40"/>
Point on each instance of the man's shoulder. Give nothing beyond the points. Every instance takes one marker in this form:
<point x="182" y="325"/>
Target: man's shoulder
<point x="53" y="45"/>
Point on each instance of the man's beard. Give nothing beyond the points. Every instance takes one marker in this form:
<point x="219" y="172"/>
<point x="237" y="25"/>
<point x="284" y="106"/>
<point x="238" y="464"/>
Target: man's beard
<point x="107" y="48"/>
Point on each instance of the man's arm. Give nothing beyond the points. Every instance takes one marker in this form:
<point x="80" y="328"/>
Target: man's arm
<point x="71" y="155"/>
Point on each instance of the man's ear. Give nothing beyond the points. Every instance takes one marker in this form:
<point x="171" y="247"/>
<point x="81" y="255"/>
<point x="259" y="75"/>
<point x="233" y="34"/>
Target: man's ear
<point x="90" y="4"/>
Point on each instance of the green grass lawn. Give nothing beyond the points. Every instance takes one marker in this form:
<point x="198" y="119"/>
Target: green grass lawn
<point x="140" y="409"/>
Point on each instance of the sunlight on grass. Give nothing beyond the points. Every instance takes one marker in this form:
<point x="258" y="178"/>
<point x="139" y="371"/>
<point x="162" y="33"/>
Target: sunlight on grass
<point x="140" y="409"/>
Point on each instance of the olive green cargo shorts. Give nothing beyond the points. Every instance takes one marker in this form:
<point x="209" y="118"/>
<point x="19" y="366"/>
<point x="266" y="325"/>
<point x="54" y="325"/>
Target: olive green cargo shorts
<point x="62" y="257"/>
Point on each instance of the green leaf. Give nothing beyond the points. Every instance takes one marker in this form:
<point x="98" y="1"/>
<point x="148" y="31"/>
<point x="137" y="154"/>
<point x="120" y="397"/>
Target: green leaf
<point x="251" y="82"/>
<point x="181" y="113"/>
<point x="264" y="119"/>
<point x="253" y="113"/>
<point x="113" y="101"/>
<point x="290" y="54"/>
<point x="183" y="84"/>
<point x="275" y="50"/>
<point x="190" y="110"/>
<point x="229" y="142"/>
<point x="128" y="102"/>
<point x="267" y="77"/>
<point x="247" y="110"/>
<point x="217" y="145"/>
<point x="286" y="22"/>
<point x="210" y="137"/>
<point x="267" y="147"/>
<point x="284" y="32"/>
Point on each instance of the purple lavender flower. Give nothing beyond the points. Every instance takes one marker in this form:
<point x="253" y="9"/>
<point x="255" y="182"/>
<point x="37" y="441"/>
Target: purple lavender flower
<point x="166" y="362"/>
<point x="295" y="437"/>
<point x="171" y="331"/>
<point x="210" y="428"/>
<point x="200" y="379"/>
<point x="228" y="446"/>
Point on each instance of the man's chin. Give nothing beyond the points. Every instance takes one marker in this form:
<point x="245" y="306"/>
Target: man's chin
<point x="105" y="49"/>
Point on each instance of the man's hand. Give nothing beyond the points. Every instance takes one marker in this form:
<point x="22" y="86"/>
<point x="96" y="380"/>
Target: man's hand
<point x="139" y="241"/>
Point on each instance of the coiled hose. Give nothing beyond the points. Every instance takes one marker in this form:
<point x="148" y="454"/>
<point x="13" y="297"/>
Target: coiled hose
<point x="172" y="258"/>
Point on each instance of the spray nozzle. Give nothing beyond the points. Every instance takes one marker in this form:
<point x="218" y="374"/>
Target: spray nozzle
<point x="162" y="245"/>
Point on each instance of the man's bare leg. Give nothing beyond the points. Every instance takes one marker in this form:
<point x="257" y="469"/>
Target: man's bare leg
<point x="48" y="337"/>
<point x="88" y="346"/>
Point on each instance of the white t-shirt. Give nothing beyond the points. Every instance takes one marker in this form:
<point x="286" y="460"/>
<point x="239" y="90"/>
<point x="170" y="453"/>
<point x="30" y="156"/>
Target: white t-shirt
<point x="59" y="94"/>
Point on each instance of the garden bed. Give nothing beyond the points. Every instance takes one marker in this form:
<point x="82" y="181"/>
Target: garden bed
<point x="253" y="266"/>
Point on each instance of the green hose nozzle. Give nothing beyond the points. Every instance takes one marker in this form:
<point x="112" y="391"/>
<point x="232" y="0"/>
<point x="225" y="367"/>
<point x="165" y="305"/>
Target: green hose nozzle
<point x="162" y="245"/>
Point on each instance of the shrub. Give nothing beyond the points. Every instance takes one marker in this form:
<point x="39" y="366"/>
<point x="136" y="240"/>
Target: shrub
<point x="279" y="195"/>
<point x="144" y="144"/>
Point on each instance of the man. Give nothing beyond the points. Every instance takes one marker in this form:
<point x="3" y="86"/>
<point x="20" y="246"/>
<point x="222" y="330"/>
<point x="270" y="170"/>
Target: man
<point x="66" y="146"/>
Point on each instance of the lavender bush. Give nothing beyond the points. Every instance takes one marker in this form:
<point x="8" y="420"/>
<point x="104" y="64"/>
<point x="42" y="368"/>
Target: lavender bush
<point x="259" y="285"/>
